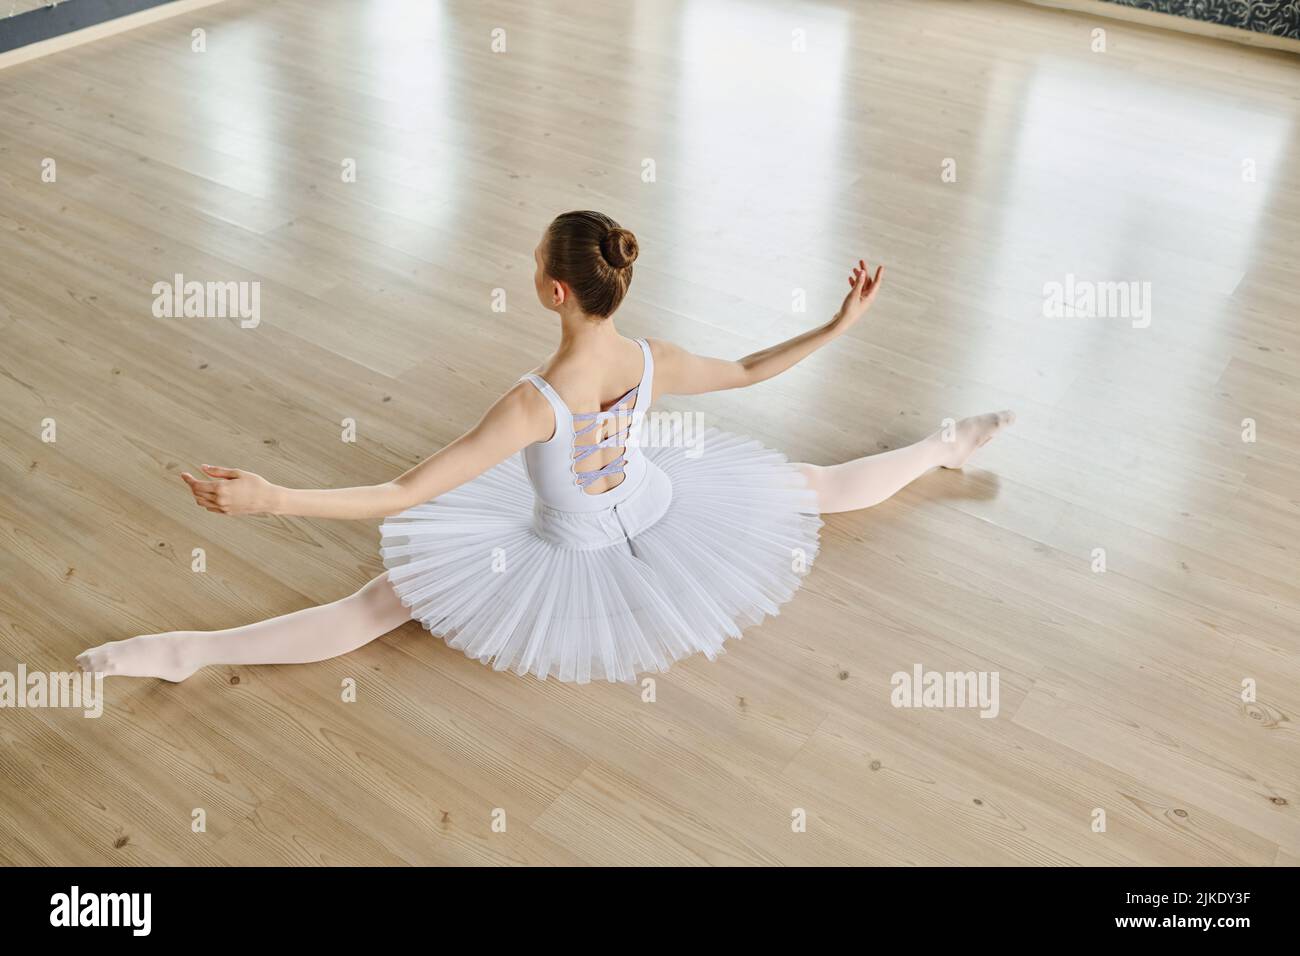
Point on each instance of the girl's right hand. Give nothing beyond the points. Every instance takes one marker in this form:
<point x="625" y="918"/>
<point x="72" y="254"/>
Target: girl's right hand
<point x="862" y="293"/>
<point x="234" y="492"/>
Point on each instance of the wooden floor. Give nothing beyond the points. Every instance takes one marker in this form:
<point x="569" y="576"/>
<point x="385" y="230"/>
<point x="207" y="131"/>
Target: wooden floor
<point x="1120" y="691"/>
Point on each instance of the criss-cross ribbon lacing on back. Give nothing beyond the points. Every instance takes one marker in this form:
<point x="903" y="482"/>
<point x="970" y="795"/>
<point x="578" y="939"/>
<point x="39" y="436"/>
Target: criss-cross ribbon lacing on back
<point x="554" y="466"/>
<point x="596" y="420"/>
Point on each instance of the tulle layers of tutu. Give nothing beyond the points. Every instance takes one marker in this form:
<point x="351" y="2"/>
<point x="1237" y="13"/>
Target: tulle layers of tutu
<point x="715" y="537"/>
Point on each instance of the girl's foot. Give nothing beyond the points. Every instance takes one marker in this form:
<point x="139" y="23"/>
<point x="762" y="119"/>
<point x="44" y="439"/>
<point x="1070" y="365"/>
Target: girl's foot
<point x="970" y="434"/>
<point x="150" y="655"/>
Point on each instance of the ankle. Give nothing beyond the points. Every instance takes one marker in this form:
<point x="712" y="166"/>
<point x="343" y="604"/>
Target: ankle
<point x="177" y="651"/>
<point x="942" y="449"/>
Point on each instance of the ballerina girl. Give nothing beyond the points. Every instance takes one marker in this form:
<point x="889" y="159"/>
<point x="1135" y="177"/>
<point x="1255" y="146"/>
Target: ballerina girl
<point x="548" y="539"/>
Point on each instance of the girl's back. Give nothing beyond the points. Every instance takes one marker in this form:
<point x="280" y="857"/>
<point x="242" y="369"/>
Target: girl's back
<point x="590" y="383"/>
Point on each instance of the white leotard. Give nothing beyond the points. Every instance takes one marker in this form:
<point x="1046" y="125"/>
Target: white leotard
<point x="555" y="469"/>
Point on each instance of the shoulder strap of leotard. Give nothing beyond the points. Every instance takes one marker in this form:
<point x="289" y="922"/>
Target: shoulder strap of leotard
<point x="645" y="390"/>
<point x="557" y="404"/>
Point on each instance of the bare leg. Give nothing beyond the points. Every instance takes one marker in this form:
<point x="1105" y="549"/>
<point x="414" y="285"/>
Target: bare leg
<point x="868" y="481"/>
<point x="312" y="634"/>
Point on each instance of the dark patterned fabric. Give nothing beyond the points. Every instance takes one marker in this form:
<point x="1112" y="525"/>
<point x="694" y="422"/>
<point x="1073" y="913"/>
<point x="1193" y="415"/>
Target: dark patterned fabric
<point x="1278" y="17"/>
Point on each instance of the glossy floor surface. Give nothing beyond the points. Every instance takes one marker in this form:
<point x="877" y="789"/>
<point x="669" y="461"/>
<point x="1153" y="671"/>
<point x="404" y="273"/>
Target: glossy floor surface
<point x="983" y="150"/>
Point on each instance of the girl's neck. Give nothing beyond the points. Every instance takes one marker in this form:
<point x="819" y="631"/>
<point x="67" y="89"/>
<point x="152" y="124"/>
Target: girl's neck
<point x="581" y="333"/>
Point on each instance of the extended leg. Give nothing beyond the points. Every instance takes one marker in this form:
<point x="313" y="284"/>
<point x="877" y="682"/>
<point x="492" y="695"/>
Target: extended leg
<point x="868" y="481"/>
<point x="312" y="634"/>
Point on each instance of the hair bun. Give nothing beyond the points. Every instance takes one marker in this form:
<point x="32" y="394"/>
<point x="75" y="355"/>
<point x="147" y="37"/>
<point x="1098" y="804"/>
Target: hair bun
<point x="619" y="247"/>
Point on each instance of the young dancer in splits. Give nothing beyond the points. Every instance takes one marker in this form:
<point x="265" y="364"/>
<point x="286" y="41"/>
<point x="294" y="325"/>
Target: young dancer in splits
<point x="547" y="539"/>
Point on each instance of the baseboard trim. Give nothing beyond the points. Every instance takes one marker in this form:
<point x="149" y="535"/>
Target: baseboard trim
<point x="1169" y="21"/>
<point x="96" y="31"/>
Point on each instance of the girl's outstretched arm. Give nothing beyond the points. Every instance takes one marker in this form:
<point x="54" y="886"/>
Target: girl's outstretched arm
<point x="520" y="417"/>
<point x="679" y="372"/>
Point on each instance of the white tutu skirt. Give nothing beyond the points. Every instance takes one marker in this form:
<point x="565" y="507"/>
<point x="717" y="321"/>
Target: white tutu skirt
<point x="615" y="593"/>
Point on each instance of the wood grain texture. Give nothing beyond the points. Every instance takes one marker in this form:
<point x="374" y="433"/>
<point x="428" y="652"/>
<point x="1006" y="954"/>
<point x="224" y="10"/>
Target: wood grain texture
<point x="1168" y="159"/>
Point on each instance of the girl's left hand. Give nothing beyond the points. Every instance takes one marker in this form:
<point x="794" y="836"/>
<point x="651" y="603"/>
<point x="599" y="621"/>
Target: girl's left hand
<point x="234" y="492"/>
<point x="861" y="294"/>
